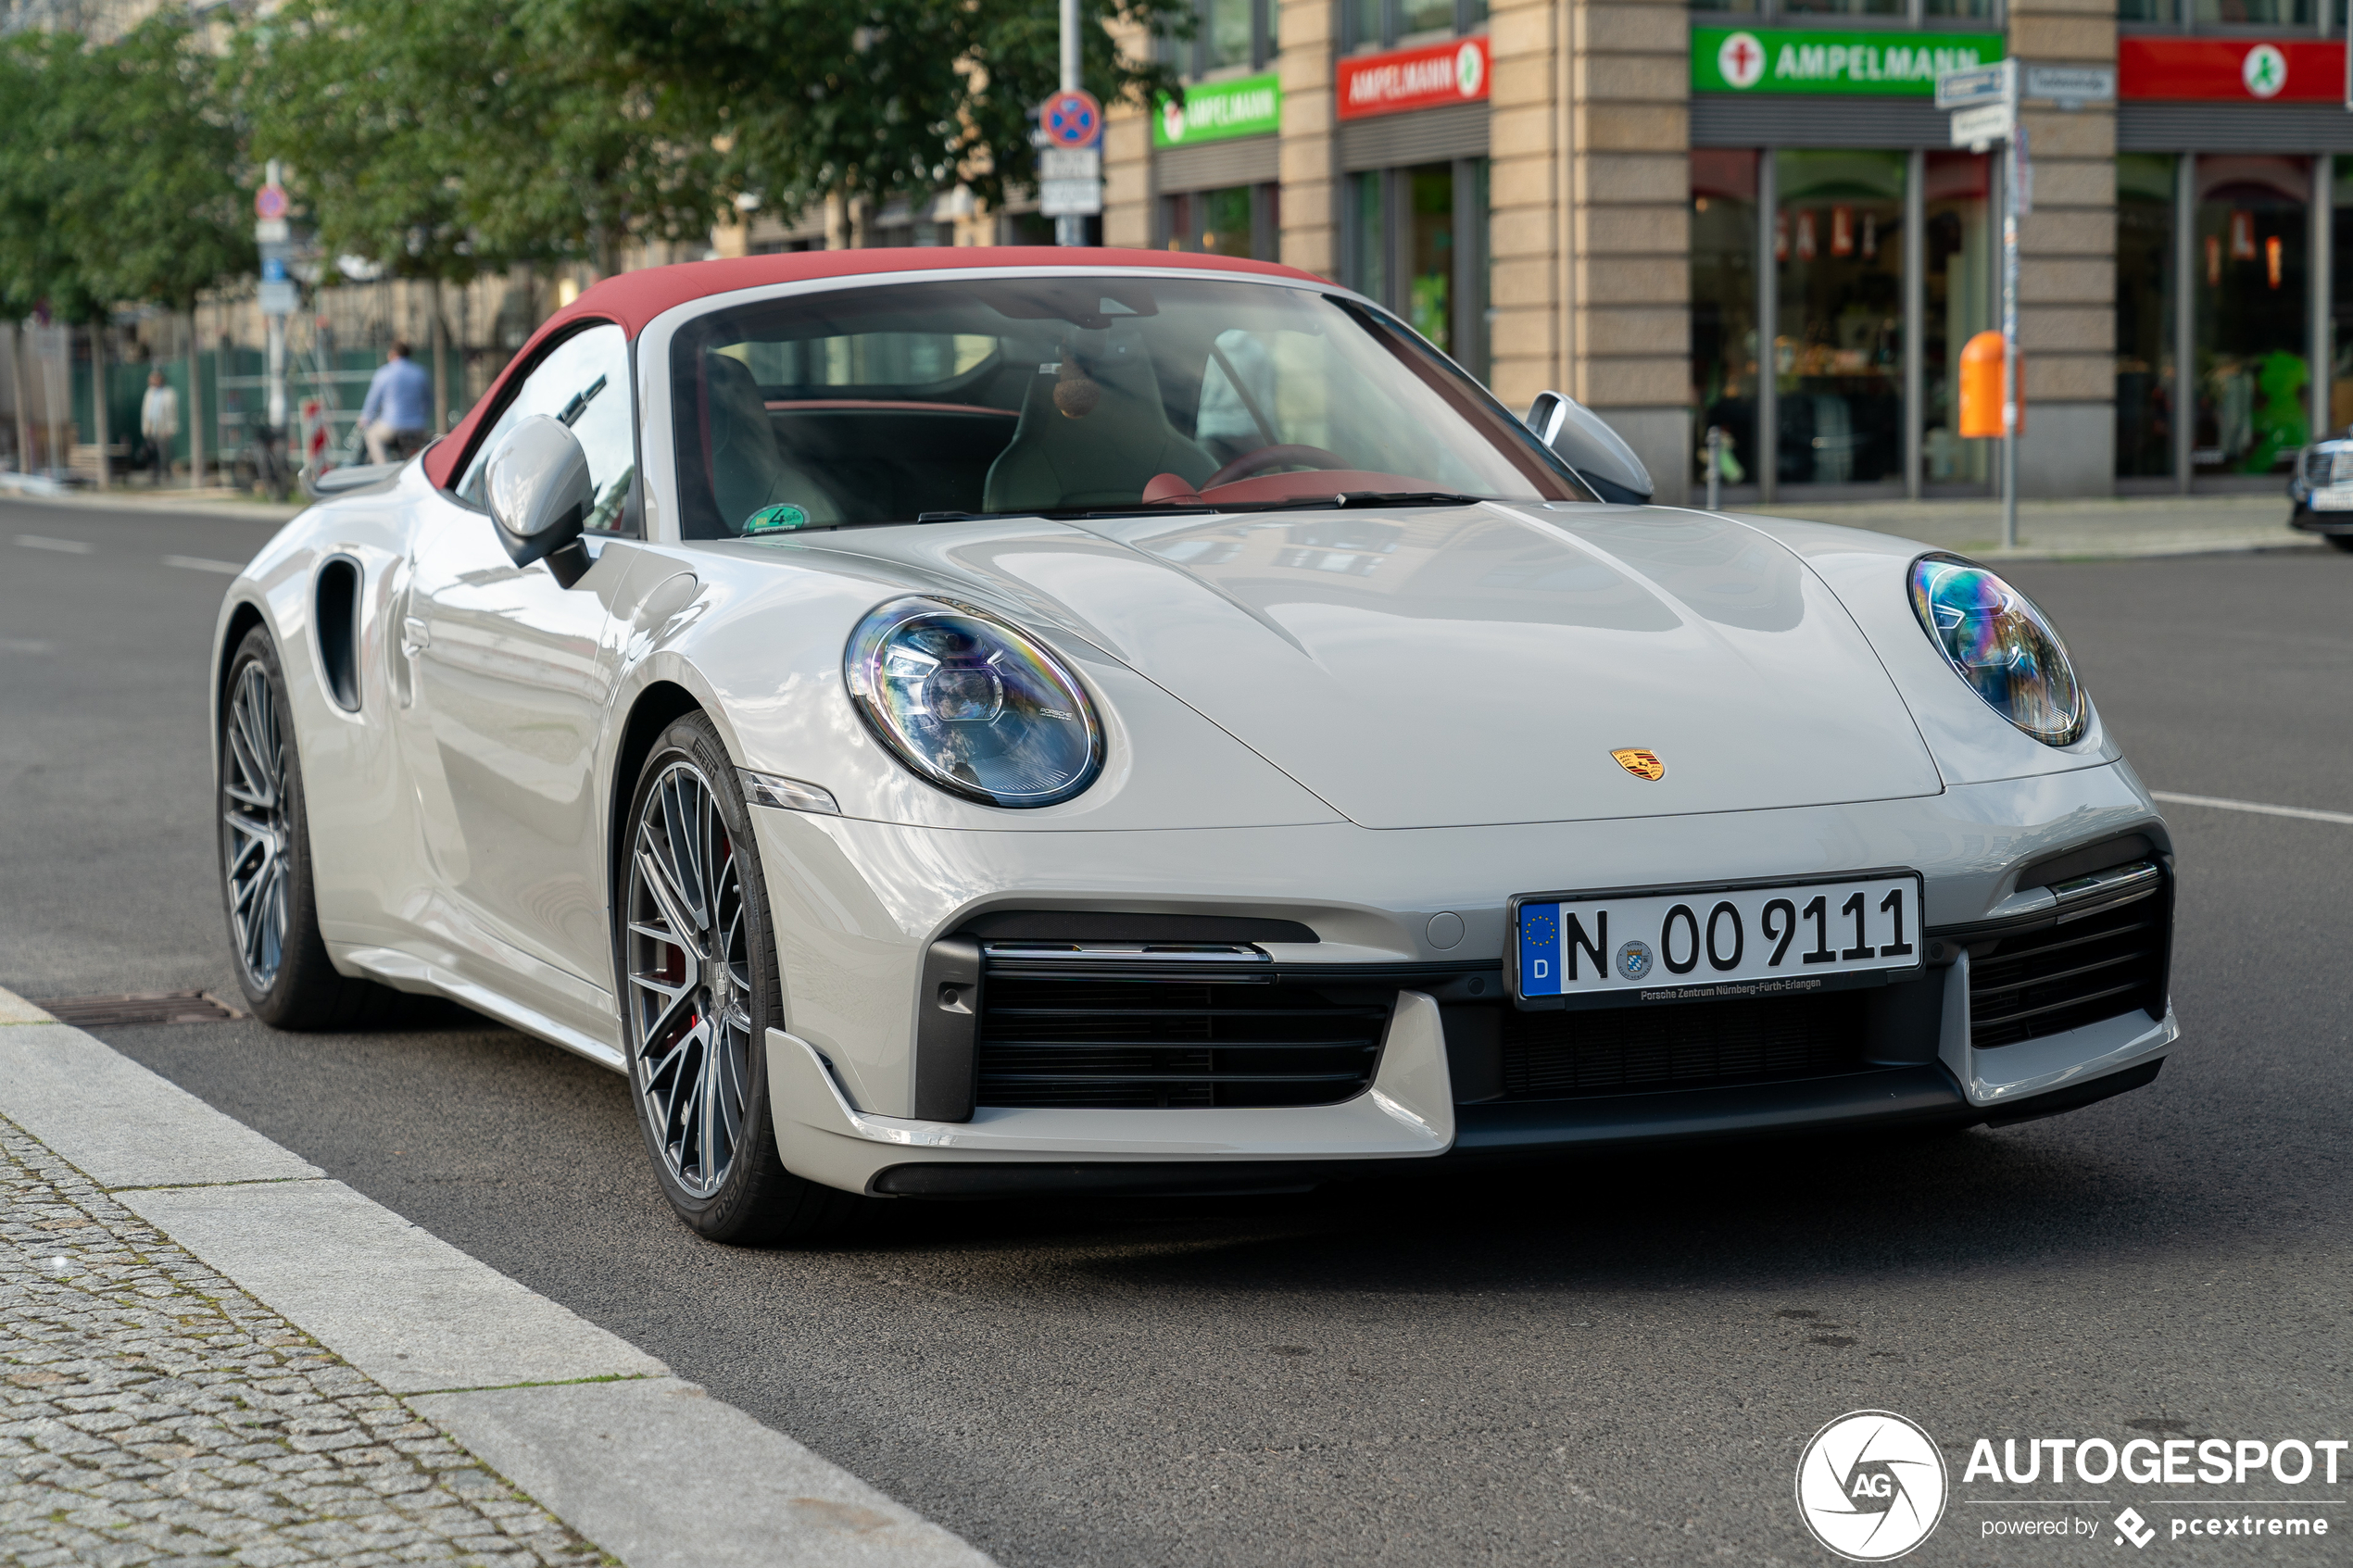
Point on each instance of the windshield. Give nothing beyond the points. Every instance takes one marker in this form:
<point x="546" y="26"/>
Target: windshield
<point x="1073" y="394"/>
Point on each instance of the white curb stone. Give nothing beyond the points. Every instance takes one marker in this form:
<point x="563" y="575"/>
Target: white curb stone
<point x="396" y="1301"/>
<point x="648" y="1467"/>
<point x="663" y="1476"/>
<point x="121" y="1125"/>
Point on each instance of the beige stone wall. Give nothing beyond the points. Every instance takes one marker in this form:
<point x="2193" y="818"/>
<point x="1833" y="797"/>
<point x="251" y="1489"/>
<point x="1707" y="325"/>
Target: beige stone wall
<point x="1127" y="158"/>
<point x="1526" y="181"/>
<point x="2067" y="258"/>
<point x="1307" y="34"/>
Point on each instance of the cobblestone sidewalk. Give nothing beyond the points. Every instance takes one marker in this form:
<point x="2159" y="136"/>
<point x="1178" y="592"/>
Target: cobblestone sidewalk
<point x="152" y="1414"/>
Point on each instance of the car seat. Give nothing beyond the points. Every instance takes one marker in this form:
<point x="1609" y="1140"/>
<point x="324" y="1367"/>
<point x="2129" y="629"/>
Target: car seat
<point x="748" y="470"/>
<point x="1102" y="457"/>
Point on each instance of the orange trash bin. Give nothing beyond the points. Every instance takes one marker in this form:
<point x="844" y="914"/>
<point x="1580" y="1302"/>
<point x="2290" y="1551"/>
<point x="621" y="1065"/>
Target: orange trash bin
<point x="1982" y="388"/>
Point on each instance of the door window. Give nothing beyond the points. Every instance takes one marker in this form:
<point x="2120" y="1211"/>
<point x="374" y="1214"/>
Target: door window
<point x="583" y="381"/>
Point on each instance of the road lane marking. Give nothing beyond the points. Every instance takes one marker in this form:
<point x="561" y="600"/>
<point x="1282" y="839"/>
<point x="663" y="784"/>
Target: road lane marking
<point x="642" y="1462"/>
<point x="26" y="645"/>
<point x="2343" y="819"/>
<point x="63" y="546"/>
<point x="198" y="563"/>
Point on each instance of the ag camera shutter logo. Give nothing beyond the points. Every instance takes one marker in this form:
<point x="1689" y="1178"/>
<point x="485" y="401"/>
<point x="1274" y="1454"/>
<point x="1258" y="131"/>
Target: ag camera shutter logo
<point x="1870" y="1485"/>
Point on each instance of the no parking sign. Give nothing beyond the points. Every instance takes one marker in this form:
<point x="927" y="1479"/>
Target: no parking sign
<point x="1071" y="117"/>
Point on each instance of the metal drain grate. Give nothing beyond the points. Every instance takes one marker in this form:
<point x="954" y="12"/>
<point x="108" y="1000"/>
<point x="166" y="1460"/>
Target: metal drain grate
<point x="171" y="1007"/>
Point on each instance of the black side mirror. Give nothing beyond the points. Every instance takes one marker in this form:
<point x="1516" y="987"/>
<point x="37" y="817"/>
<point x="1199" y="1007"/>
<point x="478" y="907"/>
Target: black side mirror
<point x="539" y="490"/>
<point x="1599" y="454"/>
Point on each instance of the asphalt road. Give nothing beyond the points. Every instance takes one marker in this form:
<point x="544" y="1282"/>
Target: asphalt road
<point x="1603" y="1363"/>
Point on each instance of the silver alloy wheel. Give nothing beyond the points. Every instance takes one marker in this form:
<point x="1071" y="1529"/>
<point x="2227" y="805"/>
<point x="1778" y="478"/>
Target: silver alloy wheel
<point x="689" y="979"/>
<point x="253" y="825"/>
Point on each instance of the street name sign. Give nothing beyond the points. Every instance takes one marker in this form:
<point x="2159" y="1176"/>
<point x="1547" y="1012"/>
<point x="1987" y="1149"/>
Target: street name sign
<point x="1984" y="84"/>
<point x="2071" y="85"/>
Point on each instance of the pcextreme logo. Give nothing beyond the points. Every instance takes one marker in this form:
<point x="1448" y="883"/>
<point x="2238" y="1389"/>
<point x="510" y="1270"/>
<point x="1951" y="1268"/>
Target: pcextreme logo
<point x="1870" y="1485"/>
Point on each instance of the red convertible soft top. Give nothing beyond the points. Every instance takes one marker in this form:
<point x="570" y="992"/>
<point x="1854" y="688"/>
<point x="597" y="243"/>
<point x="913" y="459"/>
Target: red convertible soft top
<point x="632" y="299"/>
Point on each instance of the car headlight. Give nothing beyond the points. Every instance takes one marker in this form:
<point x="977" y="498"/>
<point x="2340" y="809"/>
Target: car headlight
<point x="1996" y="640"/>
<point x="970" y="705"/>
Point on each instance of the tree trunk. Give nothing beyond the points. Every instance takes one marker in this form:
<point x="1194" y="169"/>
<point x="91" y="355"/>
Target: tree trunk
<point x="98" y="396"/>
<point x="196" y="405"/>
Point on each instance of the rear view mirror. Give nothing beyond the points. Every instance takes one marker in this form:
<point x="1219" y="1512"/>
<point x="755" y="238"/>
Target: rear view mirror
<point x="539" y="490"/>
<point x="1599" y="454"/>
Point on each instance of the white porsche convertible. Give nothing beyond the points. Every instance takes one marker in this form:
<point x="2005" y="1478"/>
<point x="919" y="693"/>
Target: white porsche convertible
<point x="973" y="721"/>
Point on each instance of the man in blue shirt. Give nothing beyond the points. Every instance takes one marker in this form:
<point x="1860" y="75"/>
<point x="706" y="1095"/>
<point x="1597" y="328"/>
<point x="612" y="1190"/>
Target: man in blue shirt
<point x="398" y="410"/>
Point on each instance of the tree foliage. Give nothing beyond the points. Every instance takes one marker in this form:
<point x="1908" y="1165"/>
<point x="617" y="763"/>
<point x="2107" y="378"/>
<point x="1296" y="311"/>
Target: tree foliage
<point x="121" y="176"/>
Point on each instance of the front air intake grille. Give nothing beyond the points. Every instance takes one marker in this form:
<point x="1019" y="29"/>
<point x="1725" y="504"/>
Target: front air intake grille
<point x="1080" y="1039"/>
<point x="2318" y="465"/>
<point x="1681" y="1046"/>
<point x="2064" y="976"/>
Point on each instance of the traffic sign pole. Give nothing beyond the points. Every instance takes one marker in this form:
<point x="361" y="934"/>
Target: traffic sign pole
<point x="1984" y="105"/>
<point x="1070" y="228"/>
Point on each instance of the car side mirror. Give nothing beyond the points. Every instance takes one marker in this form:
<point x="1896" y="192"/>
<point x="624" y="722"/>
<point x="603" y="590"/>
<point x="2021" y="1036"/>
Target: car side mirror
<point x="1599" y="454"/>
<point x="540" y="491"/>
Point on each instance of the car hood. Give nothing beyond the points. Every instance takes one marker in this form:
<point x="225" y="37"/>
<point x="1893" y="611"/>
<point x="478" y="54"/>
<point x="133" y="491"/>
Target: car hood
<point x="1454" y="666"/>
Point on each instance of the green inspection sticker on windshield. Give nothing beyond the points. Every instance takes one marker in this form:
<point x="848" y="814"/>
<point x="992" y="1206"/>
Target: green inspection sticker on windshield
<point x="775" y="519"/>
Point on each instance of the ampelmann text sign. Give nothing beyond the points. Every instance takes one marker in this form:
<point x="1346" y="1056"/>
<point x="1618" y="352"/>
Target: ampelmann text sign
<point x="1213" y="111"/>
<point x="1803" y="60"/>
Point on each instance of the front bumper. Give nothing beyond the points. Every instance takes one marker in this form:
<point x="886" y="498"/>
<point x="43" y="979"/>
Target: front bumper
<point x="859" y="903"/>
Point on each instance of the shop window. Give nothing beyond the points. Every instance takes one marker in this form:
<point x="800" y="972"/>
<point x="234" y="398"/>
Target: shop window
<point x="1838" y="352"/>
<point x="1724" y="339"/>
<point x="2252" y="13"/>
<point x="2249" y="251"/>
<point x="1238" y="220"/>
<point x="1228" y="35"/>
<point x="2146" y="392"/>
<point x="1417" y="241"/>
<point x="1959" y="253"/>
<point x="1378" y="24"/>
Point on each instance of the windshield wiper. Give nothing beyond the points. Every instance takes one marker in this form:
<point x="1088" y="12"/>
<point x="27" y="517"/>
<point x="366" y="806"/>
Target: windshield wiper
<point x="1363" y="498"/>
<point x="1141" y="510"/>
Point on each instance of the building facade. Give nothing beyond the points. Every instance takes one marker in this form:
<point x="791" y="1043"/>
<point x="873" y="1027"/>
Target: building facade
<point x="1748" y="214"/>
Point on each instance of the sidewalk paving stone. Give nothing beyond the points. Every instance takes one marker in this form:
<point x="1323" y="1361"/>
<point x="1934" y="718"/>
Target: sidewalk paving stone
<point x="153" y="1414"/>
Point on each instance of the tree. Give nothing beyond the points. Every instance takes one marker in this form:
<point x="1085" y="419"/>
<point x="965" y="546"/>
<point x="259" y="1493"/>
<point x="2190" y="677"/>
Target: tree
<point x="874" y="98"/>
<point x="437" y="139"/>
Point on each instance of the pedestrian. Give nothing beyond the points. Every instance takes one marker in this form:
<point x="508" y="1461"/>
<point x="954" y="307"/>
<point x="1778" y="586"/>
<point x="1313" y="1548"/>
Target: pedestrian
<point x="159" y="424"/>
<point x="397" y="408"/>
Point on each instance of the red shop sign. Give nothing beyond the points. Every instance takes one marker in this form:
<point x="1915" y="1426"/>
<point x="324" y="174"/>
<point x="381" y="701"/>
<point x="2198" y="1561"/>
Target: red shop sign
<point x="1425" y="78"/>
<point x="2237" y="69"/>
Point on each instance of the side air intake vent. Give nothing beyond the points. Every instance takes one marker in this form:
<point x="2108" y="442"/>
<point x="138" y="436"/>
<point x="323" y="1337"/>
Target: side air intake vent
<point x="2065" y="975"/>
<point x="335" y="613"/>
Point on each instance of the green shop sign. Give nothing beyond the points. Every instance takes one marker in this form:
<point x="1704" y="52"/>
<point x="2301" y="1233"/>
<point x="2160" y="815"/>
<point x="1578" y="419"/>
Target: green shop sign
<point x="1213" y="111"/>
<point x="1730" y="60"/>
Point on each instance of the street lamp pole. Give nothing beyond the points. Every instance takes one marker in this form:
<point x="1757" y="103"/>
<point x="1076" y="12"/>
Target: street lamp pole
<point x="2013" y="177"/>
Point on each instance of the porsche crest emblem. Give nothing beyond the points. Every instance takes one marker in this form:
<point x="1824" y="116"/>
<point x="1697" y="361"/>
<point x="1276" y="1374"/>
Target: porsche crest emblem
<point x="1640" y="763"/>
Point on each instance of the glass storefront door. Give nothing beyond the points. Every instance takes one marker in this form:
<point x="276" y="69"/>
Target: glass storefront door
<point x="2340" y="296"/>
<point x="1238" y="220"/>
<point x="2146" y="390"/>
<point x="1960" y="255"/>
<point x="1838" y="348"/>
<point x="1724" y="340"/>
<point x="2252" y="249"/>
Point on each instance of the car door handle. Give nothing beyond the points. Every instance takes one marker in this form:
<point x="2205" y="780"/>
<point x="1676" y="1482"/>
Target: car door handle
<point x="414" y="636"/>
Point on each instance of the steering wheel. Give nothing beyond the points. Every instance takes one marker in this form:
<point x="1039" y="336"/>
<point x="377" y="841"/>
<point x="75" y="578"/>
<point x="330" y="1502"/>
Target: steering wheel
<point x="1276" y="457"/>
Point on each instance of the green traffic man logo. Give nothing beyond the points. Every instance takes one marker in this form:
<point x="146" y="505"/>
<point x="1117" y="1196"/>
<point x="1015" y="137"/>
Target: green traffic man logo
<point x="2264" y="71"/>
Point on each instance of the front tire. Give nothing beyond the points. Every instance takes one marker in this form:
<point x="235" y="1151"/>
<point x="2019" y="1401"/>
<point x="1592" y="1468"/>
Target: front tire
<point x="700" y="993"/>
<point x="265" y="857"/>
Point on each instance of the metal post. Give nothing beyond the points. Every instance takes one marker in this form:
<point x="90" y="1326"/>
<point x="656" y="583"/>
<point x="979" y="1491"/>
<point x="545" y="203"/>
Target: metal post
<point x="1915" y="317"/>
<point x="2184" y="319"/>
<point x="2010" y="190"/>
<point x="276" y="327"/>
<point x="1070" y="229"/>
<point x="2318" y="293"/>
<point x="1715" y="468"/>
<point x="98" y="396"/>
<point x="1767" y="457"/>
<point x="195" y="406"/>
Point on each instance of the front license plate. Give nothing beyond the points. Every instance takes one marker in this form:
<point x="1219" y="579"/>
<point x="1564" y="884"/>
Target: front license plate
<point x="1694" y="943"/>
<point x="2333" y="500"/>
